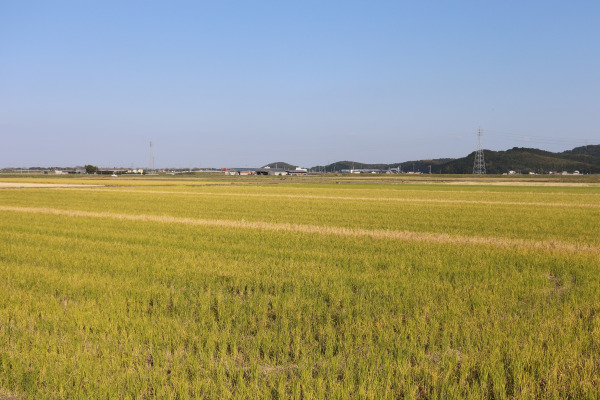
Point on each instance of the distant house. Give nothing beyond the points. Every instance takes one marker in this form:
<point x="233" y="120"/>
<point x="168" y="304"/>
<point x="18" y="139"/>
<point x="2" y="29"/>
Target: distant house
<point x="297" y="171"/>
<point x="265" y="171"/>
<point x="67" y="171"/>
<point x="240" y="171"/>
<point x="111" y="171"/>
<point x="368" y="171"/>
<point x="271" y="171"/>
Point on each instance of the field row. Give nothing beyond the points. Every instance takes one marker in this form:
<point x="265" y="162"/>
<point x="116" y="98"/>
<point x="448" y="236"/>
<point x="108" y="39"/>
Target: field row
<point x="324" y="230"/>
<point x="109" y="307"/>
<point x="371" y="291"/>
<point x="404" y="196"/>
<point x="574" y="221"/>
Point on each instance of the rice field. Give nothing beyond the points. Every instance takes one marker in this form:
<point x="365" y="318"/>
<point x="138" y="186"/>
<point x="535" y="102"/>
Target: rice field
<point x="302" y="288"/>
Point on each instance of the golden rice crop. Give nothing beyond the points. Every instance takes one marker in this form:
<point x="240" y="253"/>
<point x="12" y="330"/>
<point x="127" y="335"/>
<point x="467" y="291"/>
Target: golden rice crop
<point x="130" y="293"/>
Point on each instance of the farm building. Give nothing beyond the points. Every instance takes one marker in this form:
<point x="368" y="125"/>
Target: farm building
<point x="256" y="171"/>
<point x="111" y="171"/>
<point x="265" y="171"/>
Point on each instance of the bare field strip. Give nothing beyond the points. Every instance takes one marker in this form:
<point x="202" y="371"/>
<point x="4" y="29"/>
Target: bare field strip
<point x="318" y="197"/>
<point x="324" y="230"/>
<point x="6" y="182"/>
<point x="524" y="183"/>
<point x="29" y="185"/>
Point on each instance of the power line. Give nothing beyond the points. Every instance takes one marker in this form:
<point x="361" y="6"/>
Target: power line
<point x="537" y="138"/>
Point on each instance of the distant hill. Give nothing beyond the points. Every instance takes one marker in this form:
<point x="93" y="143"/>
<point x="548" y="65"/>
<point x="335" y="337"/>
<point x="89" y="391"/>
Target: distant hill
<point x="340" y="165"/>
<point x="525" y="160"/>
<point x="417" y="166"/>
<point x="280" y="164"/>
<point x="592" y="150"/>
<point x="585" y="159"/>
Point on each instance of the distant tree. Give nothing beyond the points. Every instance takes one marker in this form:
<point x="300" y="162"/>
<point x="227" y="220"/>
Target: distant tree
<point x="91" y="169"/>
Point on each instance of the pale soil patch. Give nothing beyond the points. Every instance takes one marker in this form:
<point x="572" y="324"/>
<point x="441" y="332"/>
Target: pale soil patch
<point x="551" y="245"/>
<point x="393" y="199"/>
<point x="522" y="183"/>
<point x="24" y="185"/>
<point x="9" y="396"/>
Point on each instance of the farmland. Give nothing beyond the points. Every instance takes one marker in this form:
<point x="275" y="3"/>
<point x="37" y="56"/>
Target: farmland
<point x="314" y="287"/>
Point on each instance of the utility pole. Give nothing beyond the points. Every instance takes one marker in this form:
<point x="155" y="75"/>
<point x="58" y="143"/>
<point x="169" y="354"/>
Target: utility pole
<point x="479" y="165"/>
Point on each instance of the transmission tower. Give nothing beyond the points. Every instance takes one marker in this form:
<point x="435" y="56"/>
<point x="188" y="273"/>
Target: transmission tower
<point x="151" y="160"/>
<point x="479" y="166"/>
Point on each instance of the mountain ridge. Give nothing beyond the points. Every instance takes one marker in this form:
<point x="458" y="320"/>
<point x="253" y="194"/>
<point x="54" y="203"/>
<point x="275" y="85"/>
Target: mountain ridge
<point x="585" y="159"/>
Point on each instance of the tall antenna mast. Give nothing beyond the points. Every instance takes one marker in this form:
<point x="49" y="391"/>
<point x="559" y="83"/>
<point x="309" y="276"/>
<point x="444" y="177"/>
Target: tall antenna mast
<point x="479" y="166"/>
<point x="151" y="159"/>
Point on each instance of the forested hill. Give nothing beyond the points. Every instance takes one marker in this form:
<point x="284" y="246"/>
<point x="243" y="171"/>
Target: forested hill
<point x="524" y="160"/>
<point x="406" y="166"/>
<point x="593" y="150"/>
<point x="585" y="159"/>
<point x="281" y="164"/>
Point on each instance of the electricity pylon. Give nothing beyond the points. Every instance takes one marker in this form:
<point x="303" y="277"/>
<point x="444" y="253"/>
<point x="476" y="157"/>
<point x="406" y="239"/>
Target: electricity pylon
<point x="479" y="166"/>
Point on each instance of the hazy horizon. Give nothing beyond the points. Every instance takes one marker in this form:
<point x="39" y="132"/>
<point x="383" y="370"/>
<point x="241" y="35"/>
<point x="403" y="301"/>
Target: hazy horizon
<point x="259" y="165"/>
<point x="238" y="84"/>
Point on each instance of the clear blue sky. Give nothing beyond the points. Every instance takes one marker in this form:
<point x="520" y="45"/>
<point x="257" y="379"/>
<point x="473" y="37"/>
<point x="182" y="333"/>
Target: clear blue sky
<point x="244" y="83"/>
